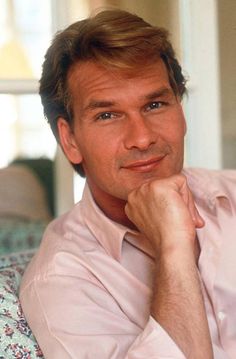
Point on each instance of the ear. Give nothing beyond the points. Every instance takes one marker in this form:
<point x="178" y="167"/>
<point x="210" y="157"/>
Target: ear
<point x="185" y="126"/>
<point x="68" y="141"/>
<point x="184" y="119"/>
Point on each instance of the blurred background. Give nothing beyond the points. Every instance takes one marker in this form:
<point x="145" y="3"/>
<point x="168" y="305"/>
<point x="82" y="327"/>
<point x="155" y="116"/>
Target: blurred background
<point x="204" y="36"/>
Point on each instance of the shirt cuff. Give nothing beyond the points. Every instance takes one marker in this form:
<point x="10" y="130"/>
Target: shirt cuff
<point x="154" y="343"/>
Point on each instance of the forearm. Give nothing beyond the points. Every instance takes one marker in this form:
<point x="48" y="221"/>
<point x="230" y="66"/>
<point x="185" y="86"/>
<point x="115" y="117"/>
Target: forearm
<point x="165" y="212"/>
<point x="178" y="304"/>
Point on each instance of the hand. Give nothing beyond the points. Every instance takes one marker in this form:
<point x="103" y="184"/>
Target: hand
<point x="164" y="211"/>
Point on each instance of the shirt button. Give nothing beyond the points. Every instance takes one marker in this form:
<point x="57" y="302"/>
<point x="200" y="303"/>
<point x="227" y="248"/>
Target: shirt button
<point x="211" y="204"/>
<point x="221" y="315"/>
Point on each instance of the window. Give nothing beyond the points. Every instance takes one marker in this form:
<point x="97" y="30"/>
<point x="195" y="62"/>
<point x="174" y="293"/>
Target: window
<point x="24" y="37"/>
<point x="26" y="31"/>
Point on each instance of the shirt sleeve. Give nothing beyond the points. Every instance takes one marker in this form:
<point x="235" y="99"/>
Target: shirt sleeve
<point x="91" y="325"/>
<point x="154" y="343"/>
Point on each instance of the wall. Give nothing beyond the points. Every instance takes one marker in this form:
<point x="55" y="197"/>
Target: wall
<point x="157" y="12"/>
<point x="199" y="39"/>
<point x="227" y="47"/>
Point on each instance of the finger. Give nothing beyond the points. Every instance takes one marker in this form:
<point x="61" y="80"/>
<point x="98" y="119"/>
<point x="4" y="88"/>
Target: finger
<point x="199" y="220"/>
<point x="195" y="215"/>
<point x="187" y="197"/>
<point x="127" y="210"/>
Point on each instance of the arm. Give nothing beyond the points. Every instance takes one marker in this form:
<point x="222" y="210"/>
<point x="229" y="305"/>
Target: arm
<point x="76" y="318"/>
<point x="164" y="211"/>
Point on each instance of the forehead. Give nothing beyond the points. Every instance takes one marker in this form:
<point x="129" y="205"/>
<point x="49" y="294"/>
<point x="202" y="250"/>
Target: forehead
<point x="87" y="79"/>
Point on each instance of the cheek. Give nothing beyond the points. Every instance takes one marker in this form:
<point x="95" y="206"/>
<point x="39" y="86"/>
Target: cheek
<point x="99" y="154"/>
<point x="173" y="136"/>
<point x="177" y="129"/>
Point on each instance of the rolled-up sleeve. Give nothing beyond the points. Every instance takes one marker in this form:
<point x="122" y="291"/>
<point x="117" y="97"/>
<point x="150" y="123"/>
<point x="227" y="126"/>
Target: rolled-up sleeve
<point x="91" y="325"/>
<point x="154" y="343"/>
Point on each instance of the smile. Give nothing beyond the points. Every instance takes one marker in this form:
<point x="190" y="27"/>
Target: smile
<point x="145" y="166"/>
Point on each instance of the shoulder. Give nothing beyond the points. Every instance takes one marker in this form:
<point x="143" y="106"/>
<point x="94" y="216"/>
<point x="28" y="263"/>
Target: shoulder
<point x="218" y="178"/>
<point x="209" y="185"/>
<point x="208" y="174"/>
<point x="64" y="244"/>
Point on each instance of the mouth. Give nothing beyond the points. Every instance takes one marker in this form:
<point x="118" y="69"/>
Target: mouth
<point x="143" y="166"/>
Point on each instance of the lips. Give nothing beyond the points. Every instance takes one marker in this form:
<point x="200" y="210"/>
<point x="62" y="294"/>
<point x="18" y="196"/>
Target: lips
<point x="145" y="165"/>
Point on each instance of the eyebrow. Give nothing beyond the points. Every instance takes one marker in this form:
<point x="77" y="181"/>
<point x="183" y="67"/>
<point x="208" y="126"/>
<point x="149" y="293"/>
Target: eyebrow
<point x="96" y="104"/>
<point x="165" y="91"/>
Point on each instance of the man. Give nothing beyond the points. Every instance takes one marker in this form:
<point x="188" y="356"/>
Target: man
<point x="133" y="270"/>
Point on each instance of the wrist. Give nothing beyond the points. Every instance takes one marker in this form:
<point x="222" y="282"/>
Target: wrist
<point x="182" y="252"/>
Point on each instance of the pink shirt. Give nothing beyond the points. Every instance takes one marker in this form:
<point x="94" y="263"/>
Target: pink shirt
<point x="87" y="292"/>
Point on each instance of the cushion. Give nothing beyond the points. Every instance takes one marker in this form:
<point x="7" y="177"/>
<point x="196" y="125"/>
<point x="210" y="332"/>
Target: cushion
<point x="43" y="168"/>
<point x="16" y="338"/>
<point x="19" y="235"/>
<point x="22" y="195"/>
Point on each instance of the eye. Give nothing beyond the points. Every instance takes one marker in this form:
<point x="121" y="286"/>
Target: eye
<point x="154" y="105"/>
<point x="105" y="116"/>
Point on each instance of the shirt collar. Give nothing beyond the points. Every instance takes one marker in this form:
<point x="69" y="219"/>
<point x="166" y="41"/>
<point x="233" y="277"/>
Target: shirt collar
<point x="107" y="232"/>
<point x="208" y="190"/>
<point x="139" y="241"/>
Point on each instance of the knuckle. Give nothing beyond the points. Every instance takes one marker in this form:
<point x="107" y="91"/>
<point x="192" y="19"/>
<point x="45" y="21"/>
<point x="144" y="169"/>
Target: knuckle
<point x="153" y="186"/>
<point x="129" y="198"/>
<point x="181" y="177"/>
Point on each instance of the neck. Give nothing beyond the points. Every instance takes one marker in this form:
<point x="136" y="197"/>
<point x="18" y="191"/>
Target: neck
<point x="112" y="207"/>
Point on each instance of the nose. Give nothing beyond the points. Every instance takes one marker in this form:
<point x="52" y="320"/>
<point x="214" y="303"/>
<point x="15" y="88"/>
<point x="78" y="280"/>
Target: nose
<point x="139" y="133"/>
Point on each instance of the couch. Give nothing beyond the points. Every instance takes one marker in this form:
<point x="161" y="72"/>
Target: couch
<point x="26" y="203"/>
<point x="16" y="338"/>
<point x="26" y="207"/>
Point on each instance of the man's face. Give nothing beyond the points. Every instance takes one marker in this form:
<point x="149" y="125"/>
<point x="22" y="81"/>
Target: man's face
<point x="127" y="129"/>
